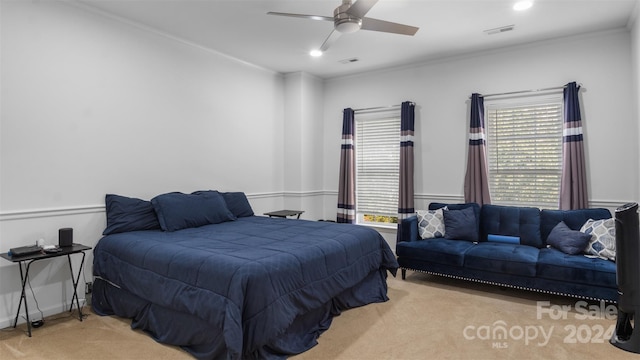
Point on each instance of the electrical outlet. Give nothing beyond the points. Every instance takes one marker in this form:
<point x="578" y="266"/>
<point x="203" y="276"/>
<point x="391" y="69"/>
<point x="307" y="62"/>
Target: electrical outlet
<point x="88" y="288"/>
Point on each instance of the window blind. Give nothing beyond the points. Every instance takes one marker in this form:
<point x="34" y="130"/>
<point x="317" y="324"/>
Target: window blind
<point x="524" y="145"/>
<point x="377" y="145"/>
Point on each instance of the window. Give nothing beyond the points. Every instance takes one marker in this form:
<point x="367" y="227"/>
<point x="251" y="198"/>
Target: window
<point x="377" y="145"/>
<point x="524" y="145"/>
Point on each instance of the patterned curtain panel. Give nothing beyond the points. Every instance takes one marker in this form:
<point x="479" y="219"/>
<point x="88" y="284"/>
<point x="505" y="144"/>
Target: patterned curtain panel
<point x="573" y="184"/>
<point x="346" y="186"/>
<point x="476" y="181"/>
<point x="405" y="189"/>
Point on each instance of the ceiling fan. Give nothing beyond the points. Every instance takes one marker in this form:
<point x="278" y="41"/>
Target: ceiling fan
<point x="350" y="17"/>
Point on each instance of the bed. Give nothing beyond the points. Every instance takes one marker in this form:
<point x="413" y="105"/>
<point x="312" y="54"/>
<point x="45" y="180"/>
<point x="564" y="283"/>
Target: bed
<point x="201" y="271"/>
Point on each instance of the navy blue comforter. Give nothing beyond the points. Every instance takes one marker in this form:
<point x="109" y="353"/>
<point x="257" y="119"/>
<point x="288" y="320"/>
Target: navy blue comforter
<point x="256" y="287"/>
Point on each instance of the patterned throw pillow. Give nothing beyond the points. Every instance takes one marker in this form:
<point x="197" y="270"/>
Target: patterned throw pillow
<point x="603" y="238"/>
<point x="430" y="223"/>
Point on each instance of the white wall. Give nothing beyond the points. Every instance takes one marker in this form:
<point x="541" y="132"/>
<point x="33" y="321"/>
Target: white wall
<point x="303" y="144"/>
<point x="635" y="49"/>
<point x="92" y="105"/>
<point x="601" y="62"/>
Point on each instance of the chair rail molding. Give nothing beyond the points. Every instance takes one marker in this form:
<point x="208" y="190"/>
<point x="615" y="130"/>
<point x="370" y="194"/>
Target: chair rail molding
<point x="49" y="212"/>
<point x="90" y="209"/>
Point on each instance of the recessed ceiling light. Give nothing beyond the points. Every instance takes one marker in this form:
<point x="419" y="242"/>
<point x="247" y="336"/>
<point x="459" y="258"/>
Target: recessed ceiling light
<point x="315" y="53"/>
<point x="522" y="5"/>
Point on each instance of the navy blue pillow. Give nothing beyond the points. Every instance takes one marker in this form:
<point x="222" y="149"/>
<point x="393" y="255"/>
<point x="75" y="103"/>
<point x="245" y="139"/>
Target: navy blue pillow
<point x="460" y="224"/>
<point x="474" y="206"/>
<point x="568" y="241"/>
<point x="238" y="204"/>
<point x="129" y="214"/>
<point x="180" y="211"/>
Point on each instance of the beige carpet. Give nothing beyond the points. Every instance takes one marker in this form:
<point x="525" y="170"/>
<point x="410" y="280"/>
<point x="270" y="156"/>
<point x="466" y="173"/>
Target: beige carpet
<point x="427" y="317"/>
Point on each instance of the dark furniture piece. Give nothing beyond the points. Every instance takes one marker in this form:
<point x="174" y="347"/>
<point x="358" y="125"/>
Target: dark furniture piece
<point x="627" y="333"/>
<point x="253" y="287"/>
<point x="528" y="264"/>
<point x="27" y="260"/>
<point x="284" y="213"/>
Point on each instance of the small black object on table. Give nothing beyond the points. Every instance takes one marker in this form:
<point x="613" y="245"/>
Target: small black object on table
<point x="284" y="213"/>
<point x="24" y="275"/>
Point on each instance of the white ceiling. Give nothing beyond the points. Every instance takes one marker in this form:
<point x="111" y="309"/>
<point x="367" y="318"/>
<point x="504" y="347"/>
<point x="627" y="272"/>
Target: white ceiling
<point x="243" y="30"/>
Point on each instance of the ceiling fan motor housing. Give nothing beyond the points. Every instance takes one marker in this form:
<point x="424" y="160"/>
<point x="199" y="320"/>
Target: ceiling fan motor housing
<point x="344" y="22"/>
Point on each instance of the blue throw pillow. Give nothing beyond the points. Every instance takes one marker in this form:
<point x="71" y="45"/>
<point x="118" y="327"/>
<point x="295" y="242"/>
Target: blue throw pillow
<point x="180" y="211"/>
<point x="238" y="204"/>
<point x="503" y="239"/>
<point x="460" y="225"/>
<point x="129" y="214"/>
<point x="568" y="241"/>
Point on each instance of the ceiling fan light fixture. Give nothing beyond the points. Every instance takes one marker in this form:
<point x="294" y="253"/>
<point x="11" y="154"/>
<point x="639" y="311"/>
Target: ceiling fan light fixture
<point x="522" y="5"/>
<point x="348" y="25"/>
<point x="315" y="53"/>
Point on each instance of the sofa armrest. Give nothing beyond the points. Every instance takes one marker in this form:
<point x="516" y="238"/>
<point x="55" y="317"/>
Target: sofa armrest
<point x="408" y="229"/>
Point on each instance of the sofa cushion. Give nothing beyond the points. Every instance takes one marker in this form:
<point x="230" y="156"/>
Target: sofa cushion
<point x="460" y="225"/>
<point x="573" y="218"/>
<point x="514" y="259"/>
<point x="440" y="251"/>
<point x="523" y="222"/>
<point x="568" y="241"/>
<point x="555" y="265"/>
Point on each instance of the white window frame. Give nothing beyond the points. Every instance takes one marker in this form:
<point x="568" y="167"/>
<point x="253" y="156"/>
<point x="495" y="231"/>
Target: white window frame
<point x="522" y="101"/>
<point x="391" y="147"/>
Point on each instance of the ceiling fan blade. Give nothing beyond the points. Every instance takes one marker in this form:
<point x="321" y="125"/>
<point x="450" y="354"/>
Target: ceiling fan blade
<point x="387" y="26"/>
<point x="303" y="16"/>
<point x="333" y="36"/>
<point x="361" y="7"/>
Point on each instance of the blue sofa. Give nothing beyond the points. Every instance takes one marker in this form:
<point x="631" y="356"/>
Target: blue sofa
<point x="528" y="264"/>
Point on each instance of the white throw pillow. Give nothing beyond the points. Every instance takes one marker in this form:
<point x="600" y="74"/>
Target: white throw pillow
<point x="603" y="238"/>
<point x="430" y="223"/>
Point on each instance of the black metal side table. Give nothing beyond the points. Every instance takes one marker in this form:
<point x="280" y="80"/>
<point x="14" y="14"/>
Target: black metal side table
<point x="27" y="260"/>
<point x="284" y="213"/>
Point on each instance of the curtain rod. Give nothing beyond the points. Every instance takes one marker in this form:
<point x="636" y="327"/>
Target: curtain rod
<point x="526" y="91"/>
<point x="389" y="107"/>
